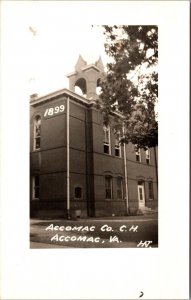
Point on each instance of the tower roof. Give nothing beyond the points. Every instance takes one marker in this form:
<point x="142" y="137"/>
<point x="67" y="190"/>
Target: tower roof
<point x="99" y="64"/>
<point x="80" y="63"/>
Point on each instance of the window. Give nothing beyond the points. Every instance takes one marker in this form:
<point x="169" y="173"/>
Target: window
<point x="35" y="187"/>
<point x="78" y="192"/>
<point x="119" y="188"/>
<point x="150" y="185"/>
<point x="108" y="187"/>
<point x="117" y="146"/>
<point x="138" y="155"/>
<point x="147" y="153"/>
<point x="37" y="132"/>
<point x="106" y="142"/>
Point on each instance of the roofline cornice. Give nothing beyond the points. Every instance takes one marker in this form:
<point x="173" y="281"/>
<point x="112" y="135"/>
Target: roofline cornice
<point x="59" y="93"/>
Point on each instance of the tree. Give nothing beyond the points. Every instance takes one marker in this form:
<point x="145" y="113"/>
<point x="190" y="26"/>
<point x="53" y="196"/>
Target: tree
<point x="130" y="87"/>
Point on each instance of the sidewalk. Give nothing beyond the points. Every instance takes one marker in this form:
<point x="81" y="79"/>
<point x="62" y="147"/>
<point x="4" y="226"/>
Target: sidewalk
<point x="146" y="217"/>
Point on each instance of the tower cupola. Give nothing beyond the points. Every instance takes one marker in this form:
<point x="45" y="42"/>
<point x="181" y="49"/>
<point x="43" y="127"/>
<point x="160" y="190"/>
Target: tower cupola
<point x="86" y="77"/>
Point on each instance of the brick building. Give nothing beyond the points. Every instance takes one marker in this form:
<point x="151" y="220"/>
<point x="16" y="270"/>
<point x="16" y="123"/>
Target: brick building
<point x="76" y="163"/>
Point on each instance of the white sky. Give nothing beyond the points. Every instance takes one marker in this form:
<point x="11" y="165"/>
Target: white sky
<point x="53" y="52"/>
<point x="46" y="58"/>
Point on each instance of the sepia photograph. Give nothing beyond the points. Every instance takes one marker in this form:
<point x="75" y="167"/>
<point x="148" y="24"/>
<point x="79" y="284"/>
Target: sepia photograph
<point x="94" y="144"/>
<point x="94" y="148"/>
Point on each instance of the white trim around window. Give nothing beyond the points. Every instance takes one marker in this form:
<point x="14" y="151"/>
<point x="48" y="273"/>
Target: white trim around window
<point x="107" y="139"/>
<point x="138" y="155"/>
<point x="37" y="133"/>
<point x="148" y="156"/>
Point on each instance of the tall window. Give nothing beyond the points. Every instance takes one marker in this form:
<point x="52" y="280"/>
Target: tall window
<point x="37" y="132"/>
<point x="119" y="188"/>
<point x="108" y="187"/>
<point x="106" y="142"/>
<point x="138" y="155"/>
<point x="150" y="185"/>
<point x="117" y="146"/>
<point x="147" y="154"/>
<point x="35" y="187"/>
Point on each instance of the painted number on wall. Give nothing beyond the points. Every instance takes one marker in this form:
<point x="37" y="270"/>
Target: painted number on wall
<point x="54" y="110"/>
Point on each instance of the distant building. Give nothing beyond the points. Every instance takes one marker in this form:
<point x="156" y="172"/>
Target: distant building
<point x="76" y="163"/>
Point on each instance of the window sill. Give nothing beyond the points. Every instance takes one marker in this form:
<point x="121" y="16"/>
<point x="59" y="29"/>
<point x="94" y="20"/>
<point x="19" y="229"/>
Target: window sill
<point x="107" y="153"/>
<point x="36" y="150"/>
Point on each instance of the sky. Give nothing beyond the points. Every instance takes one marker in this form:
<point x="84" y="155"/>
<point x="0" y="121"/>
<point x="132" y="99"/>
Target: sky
<point x="55" y="48"/>
<point x="46" y="57"/>
<point x="47" y="38"/>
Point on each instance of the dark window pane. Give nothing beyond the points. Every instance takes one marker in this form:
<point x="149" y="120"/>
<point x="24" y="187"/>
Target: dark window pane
<point x="106" y="149"/>
<point x="108" y="187"/>
<point x="150" y="190"/>
<point x="36" y="192"/>
<point x="117" y="153"/>
<point x="108" y="193"/>
<point x="37" y="131"/>
<point x="78" y="192"/>
<point x="37" y="143"/>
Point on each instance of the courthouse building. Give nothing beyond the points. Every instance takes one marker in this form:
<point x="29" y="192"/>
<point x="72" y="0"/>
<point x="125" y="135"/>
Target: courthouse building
<point x="77" y="164"/>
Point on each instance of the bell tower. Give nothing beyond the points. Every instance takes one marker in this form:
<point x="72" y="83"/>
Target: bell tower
<point x="87" y="77"/>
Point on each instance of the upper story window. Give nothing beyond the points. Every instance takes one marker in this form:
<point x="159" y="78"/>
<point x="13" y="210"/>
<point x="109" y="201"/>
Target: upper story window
<point x="119" y="188"/>
<point x="37" y="132"/>
<point x="108" y="187"/>
<point x="117" y="145"/>
<point x="107" y="141"/>
<point x="138" y="155"/>
<point x="148" y="156"/>
<point x="35" y="187"/>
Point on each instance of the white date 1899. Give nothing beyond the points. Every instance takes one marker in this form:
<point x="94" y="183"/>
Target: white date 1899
<point x="54" y="110"/>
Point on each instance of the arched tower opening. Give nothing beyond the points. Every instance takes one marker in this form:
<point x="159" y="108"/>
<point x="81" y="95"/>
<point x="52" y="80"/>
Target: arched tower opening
<point x="98" y="88"/>
<point x="80" y="87"/>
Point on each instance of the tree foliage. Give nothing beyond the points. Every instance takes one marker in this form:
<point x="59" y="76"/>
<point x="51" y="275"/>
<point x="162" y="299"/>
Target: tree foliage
<point x="130" y="87"/>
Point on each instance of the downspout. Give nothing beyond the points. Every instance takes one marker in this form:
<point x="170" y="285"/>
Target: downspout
<point x="126" y="183"/>
<point x="87" y="177"/>
<point x="68" y="157"/>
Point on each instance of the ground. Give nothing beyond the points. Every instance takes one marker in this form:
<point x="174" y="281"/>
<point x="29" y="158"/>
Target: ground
<point x="121" y="232"/>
